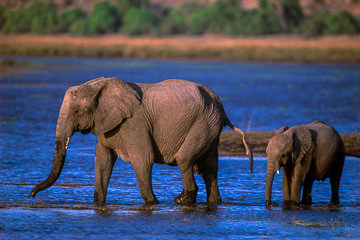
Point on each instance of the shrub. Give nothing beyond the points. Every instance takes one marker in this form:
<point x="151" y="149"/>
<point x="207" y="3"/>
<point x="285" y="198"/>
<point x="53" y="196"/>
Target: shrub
<point x="37" y="17"/>
<point x="2" y="17"/>
<point x="79" y="27"/>
<point x="16" y="21"/>
<point x="200" y="21"/>
<point x="225" y="15"/>
<point x="340" y="23"/>
<point x="173" y="21"/>
<point x="267" y="21"/>
<point x="45" y="20"/>
<point x="177" y="21"/>
<point x="44" y="23"/>
<point x="139" y="21"/>
<point x="292" y="13"/>
<point x="326" y="23"/>
<point x="69" y="17"/>
<point x="103" y="19"/>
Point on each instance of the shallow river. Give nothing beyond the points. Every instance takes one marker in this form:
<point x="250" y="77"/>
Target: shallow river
<point x="256" y="97"/>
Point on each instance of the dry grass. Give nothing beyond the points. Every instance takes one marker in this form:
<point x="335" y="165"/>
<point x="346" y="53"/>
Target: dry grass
<point x="341" y="49"/>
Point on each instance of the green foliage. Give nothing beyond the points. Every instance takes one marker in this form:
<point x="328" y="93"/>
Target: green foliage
<point x="17" y="21"/>
<point x="104" y="19"/>
<point x="266" y="19"/>
<point x="38" y="17"/>
<point x="175" y="22"/>
<point x="225" y="17"/>
<point x="200" y="21"/>
<point x="292" y="13"/>
<point x="68" y="18"/>
<point x="327" y="23"/>
<point x="45" y="21"/>
<point x="139" y="21"/>
<point x="79" y="27"/>
<point x="122" y="6"/>
<point x="340" y="23"/>
<point x="2" y="17"/>
<point x="231" y="20"/>
<point x="134" y="17"/>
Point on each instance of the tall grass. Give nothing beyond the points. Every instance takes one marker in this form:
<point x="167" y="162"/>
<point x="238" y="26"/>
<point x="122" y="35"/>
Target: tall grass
<point x="181" y="49"/>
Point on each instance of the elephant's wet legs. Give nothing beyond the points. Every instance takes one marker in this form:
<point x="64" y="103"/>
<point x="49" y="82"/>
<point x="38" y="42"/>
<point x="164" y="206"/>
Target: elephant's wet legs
<point x="208" y="169"/>
<point x="307" y="189"/>
<point x="296" y="185"/>
<point x="286" y="185"/>
<point x="190" y="188"/>
<point x="104" y="162"/>
<point x="335" y="182"/>
<point x="143" y="172"/>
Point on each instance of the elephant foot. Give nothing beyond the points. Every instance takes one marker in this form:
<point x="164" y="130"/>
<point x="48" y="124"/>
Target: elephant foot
<point x="291" y="205"/>
<point x="306" y="203"/>
<point x="186" y="198"/>
<point x="334" y="205"/>
<point x="151" y="203"/>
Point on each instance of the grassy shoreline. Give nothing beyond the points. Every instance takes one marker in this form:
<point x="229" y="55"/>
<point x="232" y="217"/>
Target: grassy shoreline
<point x="282" y="48"/>
<point x="231" y="143"/>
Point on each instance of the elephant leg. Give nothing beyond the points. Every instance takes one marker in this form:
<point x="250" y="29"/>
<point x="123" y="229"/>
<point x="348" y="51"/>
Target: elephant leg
<point x="190" y="188"/>
<point x="208" y="169"/>
<point x="286" y="184"/>
<point x="104" y="162"/>
<point x="296" y="184"/>
<point x="307" y="189"/>
<point x="143" y="172"/>
<point x="335" y="182"/>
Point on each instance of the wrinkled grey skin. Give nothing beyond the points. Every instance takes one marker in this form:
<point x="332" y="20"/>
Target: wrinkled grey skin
<point x="173" y="122"/>
<point x="307" y="152"/>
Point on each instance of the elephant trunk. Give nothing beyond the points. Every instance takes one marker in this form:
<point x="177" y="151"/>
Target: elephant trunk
<point x="272" y="167"/>
<point x="64" y="131"/>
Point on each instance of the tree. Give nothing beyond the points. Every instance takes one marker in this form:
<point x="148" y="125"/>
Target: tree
<point x="103" y="19"/>
<point x="69" y="17"/>
<point x="200" y="21"/>
<point x="139" y="21"/>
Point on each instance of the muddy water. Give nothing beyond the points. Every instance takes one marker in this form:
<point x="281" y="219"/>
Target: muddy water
<point x="29" y="104"/>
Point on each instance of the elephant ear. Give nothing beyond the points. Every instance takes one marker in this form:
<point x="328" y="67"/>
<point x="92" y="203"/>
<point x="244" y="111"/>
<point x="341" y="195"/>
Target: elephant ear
<point x="116" y="102"/>
<point x="281" y="130"/>
<point x="302" y="144"/>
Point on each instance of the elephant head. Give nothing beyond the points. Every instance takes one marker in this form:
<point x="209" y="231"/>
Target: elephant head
<point x="86" y="108"/>
<point x="287" y="147"/>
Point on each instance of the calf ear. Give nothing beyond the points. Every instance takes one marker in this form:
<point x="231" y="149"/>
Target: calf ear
<point x="116" y="102"/>
<point x="302" y="144"/>
<point x="281" y="130"/>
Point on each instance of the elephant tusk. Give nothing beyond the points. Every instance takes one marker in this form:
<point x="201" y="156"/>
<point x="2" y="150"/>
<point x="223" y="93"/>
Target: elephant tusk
<point x="67" y="143"/>
<point x="277" y="172"/>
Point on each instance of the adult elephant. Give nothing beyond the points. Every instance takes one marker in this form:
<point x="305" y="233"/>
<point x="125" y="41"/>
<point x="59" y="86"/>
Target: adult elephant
<point x="174" y="122"/>
<point x="307" y="152"/>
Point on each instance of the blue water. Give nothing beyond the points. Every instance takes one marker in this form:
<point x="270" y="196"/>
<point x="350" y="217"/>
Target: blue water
<point x="256" y="97"/>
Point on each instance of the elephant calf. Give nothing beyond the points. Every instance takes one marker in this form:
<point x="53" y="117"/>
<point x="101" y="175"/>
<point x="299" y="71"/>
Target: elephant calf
<point x="307" y="152"/>
<point x="174" y="122"/>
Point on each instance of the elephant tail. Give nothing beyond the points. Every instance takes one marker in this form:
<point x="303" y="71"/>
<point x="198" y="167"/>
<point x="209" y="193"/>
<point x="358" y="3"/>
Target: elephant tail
<point x="248" y="150"/>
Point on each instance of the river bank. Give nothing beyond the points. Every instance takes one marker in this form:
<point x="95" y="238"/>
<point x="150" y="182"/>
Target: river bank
<point x="231" y="143"/>
<point x="283" y="48"/>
